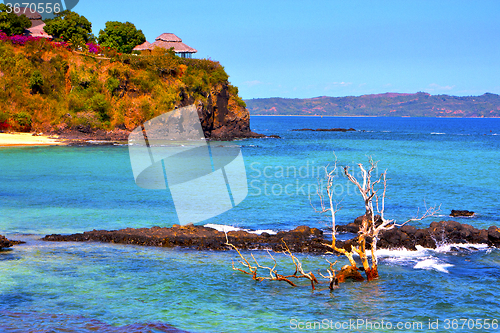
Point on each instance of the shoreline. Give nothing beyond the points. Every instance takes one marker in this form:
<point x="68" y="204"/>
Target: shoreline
<point x="28" y="139"/>
<point x="98" y="137"/>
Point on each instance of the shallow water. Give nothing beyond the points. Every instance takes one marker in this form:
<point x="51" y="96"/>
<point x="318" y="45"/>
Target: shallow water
<point x="86" y="287"/>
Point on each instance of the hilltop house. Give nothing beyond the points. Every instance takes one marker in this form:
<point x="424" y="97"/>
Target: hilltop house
<point x="167" y="41"/>
<point x="36" y="29"/>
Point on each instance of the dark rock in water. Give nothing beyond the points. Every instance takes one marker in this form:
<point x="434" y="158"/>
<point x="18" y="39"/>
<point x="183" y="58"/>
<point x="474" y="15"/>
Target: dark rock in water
<point x="437" y="233"/>
<point x="494" y="236"/>
<point x="326" y="129"/>
<point x="456" y="232"/>
<point x="457" y="213"/>
<point x="5" y="243"/>
<point x="353" y="227"/>
<point x="397" y="238"/>
<point x="300" y="239"/>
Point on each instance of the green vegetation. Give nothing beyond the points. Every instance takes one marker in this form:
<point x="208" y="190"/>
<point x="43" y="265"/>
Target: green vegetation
<point x="36" y="82"/>
<point x="121" y="36"/>
<point x="10" y="23"/>
<point x="44" y="86"/>
<point x="389" y="104"/>
<point x="70" y="27"/>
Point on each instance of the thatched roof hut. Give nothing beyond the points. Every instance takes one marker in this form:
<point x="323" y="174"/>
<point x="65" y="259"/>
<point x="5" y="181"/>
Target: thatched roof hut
<point x="143" y="47"/>
<point x="36" y="29"/>
<point x="168" y="41"/>
<point x="31" y="14"/>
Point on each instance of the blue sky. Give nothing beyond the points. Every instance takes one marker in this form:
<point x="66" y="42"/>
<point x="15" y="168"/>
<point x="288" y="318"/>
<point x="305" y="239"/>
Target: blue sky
<point x="300" y="49"/>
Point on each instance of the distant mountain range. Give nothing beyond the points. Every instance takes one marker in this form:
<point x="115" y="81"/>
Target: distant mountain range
<point x="389" y="104"/>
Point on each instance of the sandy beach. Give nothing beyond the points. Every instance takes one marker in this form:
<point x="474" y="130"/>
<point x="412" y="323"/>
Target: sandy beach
<point x="26" y="139"/>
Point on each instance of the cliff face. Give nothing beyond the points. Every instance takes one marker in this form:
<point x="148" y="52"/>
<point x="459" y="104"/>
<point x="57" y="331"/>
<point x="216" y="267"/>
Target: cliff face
<point x="48" y="89"/>
<point x="223" y="118"/>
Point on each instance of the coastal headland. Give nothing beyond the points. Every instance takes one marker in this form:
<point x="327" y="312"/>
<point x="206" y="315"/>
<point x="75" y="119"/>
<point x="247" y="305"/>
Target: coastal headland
<point x="78" y="97"/>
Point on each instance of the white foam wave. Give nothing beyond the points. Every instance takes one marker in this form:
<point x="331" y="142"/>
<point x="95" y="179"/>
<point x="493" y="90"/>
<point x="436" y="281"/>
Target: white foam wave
<point x="228" y="228"/>
<point x="269" y="231"/>
<point x="445" y="248"/>
<point x="426" y="258"/>
<point x="435" y="264"/>
<point x="424" y="252"/>
<point x="437" y="133"/>
<point x="96" y="142"/>
<point x="402" y="253"/>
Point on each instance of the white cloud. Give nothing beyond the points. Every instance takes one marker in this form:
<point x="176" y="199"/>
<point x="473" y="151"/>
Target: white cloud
<point x="336" y="85"/>
<point x="343" y="84"/>
<point x="252" y="83"/>
<point x="435" y="86"/>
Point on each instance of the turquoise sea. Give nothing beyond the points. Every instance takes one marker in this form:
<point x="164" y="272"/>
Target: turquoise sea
<point x="92" y="287"/>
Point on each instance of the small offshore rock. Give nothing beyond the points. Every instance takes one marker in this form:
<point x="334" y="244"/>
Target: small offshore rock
<point x="461" y="213"/>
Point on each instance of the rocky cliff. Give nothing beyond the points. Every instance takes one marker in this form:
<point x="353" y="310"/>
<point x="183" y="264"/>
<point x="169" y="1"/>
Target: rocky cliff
<point x="222" y="118"/>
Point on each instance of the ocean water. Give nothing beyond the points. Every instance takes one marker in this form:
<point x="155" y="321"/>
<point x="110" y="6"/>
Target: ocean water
<point x="88" y="287"/>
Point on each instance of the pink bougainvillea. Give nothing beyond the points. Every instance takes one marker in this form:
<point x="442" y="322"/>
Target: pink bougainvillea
<point x="94" y="48"/>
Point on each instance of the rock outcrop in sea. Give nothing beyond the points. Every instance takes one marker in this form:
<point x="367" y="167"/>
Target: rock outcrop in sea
<point x="6" y="243"/>
<point x="301" y="239"/>
<point x="464" y="213"/>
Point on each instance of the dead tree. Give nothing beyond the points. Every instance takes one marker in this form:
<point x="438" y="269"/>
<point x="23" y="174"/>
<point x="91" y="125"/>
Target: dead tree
<point x="371" y="227"/>
<point x="330" y="206"/>
<point x="369" y="231"/>
<point x="273" y="272"/>
<point x="332" y="278"/>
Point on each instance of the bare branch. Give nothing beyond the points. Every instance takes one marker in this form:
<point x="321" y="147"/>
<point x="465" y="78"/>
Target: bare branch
<point x="431" y="211"/>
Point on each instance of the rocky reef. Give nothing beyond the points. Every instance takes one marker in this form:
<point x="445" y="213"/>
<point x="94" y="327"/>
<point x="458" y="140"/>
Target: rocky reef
<point x="6" y="243"/>
<point x="325" y="130"/>
<point x="301" y="239"/>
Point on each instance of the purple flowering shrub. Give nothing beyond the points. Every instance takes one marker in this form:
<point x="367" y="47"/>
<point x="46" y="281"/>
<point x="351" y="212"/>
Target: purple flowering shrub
<point x="3" y="36"/>
<point x="22" y="40"/>
<point x="93" y="48"/>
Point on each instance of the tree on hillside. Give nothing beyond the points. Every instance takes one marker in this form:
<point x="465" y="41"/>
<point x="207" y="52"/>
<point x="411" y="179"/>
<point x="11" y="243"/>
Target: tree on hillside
<point x="70" y="27"/>
<point x="12" y="24"/>
<point x="121" y="36"/>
